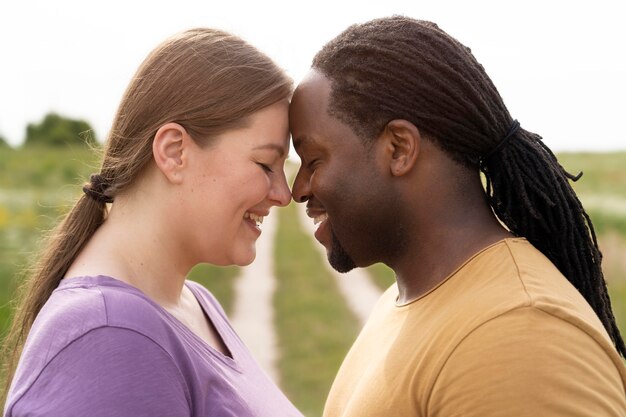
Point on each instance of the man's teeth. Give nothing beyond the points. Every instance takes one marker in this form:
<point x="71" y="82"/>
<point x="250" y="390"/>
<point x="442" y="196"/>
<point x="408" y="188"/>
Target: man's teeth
<point x="255" y="217"/>
<point x="320" y="218"/>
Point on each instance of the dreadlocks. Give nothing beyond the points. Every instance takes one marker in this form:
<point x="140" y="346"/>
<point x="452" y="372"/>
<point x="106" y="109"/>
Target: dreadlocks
<point x="400" y="68"/>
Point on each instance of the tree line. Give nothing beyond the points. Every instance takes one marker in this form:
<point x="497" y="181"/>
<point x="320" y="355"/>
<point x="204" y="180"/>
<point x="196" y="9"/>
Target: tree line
<point x="56" y="130"/>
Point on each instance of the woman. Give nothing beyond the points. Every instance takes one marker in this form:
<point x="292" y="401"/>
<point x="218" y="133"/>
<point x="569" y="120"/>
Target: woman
<point x="193" y="163"/>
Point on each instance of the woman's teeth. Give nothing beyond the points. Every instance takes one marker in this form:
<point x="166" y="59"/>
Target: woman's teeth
<point x="320" y="218"/>
<point x="254" y="217"/>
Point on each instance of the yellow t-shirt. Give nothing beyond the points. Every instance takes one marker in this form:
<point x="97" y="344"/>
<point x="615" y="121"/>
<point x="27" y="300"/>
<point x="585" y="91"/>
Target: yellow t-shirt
<point x="504" y="335"/>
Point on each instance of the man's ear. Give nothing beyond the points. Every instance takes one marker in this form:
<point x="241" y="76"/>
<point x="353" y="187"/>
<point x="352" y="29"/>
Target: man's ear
<point x="169" y="150"/>
<point x="403" y="141"/>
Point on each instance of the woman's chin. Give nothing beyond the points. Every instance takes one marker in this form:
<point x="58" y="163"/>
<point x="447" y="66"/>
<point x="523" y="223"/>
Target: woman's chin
<point x="240" y="257"/>
<point x="245" y="259"/>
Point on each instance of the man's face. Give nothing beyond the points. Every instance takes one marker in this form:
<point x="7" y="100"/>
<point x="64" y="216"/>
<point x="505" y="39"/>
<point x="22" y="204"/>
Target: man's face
<point x="346" y="187"/>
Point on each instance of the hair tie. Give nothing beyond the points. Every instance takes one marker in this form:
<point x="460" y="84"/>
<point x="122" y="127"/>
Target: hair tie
<point x="96" y="189"/>
<point x="514" y="127"/>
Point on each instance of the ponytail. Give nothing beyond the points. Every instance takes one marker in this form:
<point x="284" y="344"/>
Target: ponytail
<point x="63" y="246"/>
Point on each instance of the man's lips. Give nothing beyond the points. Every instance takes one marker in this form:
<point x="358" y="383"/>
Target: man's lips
<point x="320" y="218"/>
<point x="317" y="214"/>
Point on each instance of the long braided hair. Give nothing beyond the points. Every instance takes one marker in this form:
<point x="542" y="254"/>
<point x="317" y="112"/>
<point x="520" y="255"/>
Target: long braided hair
<point x="401" y="68"/>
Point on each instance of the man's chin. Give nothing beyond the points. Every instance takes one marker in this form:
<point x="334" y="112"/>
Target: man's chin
<point x="339" y="258"/>
<point x="342" y="268"/>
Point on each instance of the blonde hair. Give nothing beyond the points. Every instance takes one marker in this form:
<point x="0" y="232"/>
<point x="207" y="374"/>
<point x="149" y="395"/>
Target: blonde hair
<point x="208" y="81"/>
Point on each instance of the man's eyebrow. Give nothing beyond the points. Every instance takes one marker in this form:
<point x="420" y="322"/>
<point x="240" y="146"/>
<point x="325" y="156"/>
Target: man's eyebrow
<point x="301" y="140"/>
<point x="277" y="148"/>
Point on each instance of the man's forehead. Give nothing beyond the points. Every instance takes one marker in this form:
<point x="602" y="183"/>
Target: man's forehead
<point x="314" y="87"/>
<point x="313" y="76"/>
<point x="308" y="115"/>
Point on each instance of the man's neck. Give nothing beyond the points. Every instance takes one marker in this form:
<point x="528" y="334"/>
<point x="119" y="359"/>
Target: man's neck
<point x="439" y="247"/>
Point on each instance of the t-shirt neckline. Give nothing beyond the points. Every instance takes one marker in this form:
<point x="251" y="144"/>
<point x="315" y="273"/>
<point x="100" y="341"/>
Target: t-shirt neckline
<point x="456" y="271"/>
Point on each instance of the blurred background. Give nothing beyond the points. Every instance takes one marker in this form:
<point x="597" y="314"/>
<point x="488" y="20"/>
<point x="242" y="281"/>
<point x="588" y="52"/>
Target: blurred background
<point x="64" y="65"/>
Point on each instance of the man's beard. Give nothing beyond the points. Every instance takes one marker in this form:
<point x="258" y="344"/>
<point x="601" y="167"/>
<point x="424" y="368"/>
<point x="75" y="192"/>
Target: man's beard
<point x="338" y="257"/>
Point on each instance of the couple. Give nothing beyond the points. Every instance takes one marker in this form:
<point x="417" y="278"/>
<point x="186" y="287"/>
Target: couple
<point x="503" y="315"/>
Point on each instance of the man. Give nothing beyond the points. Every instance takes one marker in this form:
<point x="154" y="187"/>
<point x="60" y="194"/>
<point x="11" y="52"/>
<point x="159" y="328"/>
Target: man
<point x="491" y="316"/>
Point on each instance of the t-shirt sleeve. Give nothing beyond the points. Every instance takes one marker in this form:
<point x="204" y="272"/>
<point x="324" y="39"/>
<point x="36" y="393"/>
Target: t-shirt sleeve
<point x="107" y="372"/>
<point x="528" y="363"/>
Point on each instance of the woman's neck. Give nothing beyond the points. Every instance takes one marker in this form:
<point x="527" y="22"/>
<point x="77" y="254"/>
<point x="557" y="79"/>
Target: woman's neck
<point x="137" y="250"/>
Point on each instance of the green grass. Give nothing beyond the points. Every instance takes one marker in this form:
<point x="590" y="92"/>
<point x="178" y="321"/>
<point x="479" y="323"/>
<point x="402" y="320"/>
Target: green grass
<point x="219" y="280"/>
<point x="605" y="222"/>
<point x="382" y="275"/>
<point x="613" y="247"/>
<point x="617" y="293"/>
<point x="314" y="326"/>
<point x="603" y="173"/>
<point x="8" y="285"/>
<point x="602" y="188"/>
<point x="47" y="168"/>
<point x="37" y="186"/>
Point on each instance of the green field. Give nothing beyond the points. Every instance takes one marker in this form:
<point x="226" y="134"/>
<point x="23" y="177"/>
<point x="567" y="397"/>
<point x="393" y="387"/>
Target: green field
<point x="33" y="194"/>
<point x="314" y="326"/>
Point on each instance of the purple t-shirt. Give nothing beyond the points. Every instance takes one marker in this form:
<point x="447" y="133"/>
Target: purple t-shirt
<point x="100" y="347"/>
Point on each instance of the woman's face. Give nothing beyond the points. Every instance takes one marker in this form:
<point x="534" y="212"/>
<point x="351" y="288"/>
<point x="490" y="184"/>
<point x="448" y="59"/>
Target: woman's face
<point x="235" y="182"/>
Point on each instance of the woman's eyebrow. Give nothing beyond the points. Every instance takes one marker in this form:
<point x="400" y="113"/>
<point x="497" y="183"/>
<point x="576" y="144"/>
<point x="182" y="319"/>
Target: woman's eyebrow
<point x="277" y="148"/>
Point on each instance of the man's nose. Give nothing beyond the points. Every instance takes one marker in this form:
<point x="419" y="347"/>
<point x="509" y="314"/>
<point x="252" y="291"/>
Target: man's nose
<point x="301" y="190"/>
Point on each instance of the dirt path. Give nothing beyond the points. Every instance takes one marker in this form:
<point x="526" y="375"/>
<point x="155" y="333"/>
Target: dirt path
<point x="253" y="311"/>
<point x="356" y="286"/>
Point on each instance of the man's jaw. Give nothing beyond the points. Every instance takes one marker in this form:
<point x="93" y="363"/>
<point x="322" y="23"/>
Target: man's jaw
<point x="337" y="255"/>
<point x="338" y="258"/>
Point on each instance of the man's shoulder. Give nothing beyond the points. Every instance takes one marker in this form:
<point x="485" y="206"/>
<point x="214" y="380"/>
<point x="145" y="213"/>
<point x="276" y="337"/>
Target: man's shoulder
<point x="522" y="286"/>
<point x="500" y="282"/>
<point x="514" y="274"/>
<point x="548" y="290"/>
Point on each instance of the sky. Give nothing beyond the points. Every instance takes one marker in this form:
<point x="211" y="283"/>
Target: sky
<point x="559" y="65"/>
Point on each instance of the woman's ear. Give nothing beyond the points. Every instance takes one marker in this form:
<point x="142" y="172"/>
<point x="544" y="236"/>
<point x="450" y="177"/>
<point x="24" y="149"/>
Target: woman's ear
<point x="169" y="150"/>
<point x="403" y="141"/>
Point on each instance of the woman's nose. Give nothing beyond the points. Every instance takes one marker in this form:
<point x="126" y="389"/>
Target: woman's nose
<point x="280" y="194"/>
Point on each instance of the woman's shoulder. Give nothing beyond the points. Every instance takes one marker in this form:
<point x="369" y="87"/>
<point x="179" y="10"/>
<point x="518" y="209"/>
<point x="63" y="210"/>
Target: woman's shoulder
<point x="83" y="311"/>
<point x="72" y="310"/>
<point x="99" y="301"/>
<point x="80" y="305"/>
<point x="119" y="358"/>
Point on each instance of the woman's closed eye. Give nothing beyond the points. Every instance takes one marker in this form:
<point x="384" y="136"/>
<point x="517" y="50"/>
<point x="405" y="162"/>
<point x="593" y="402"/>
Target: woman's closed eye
<point x="265" y="167"/>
